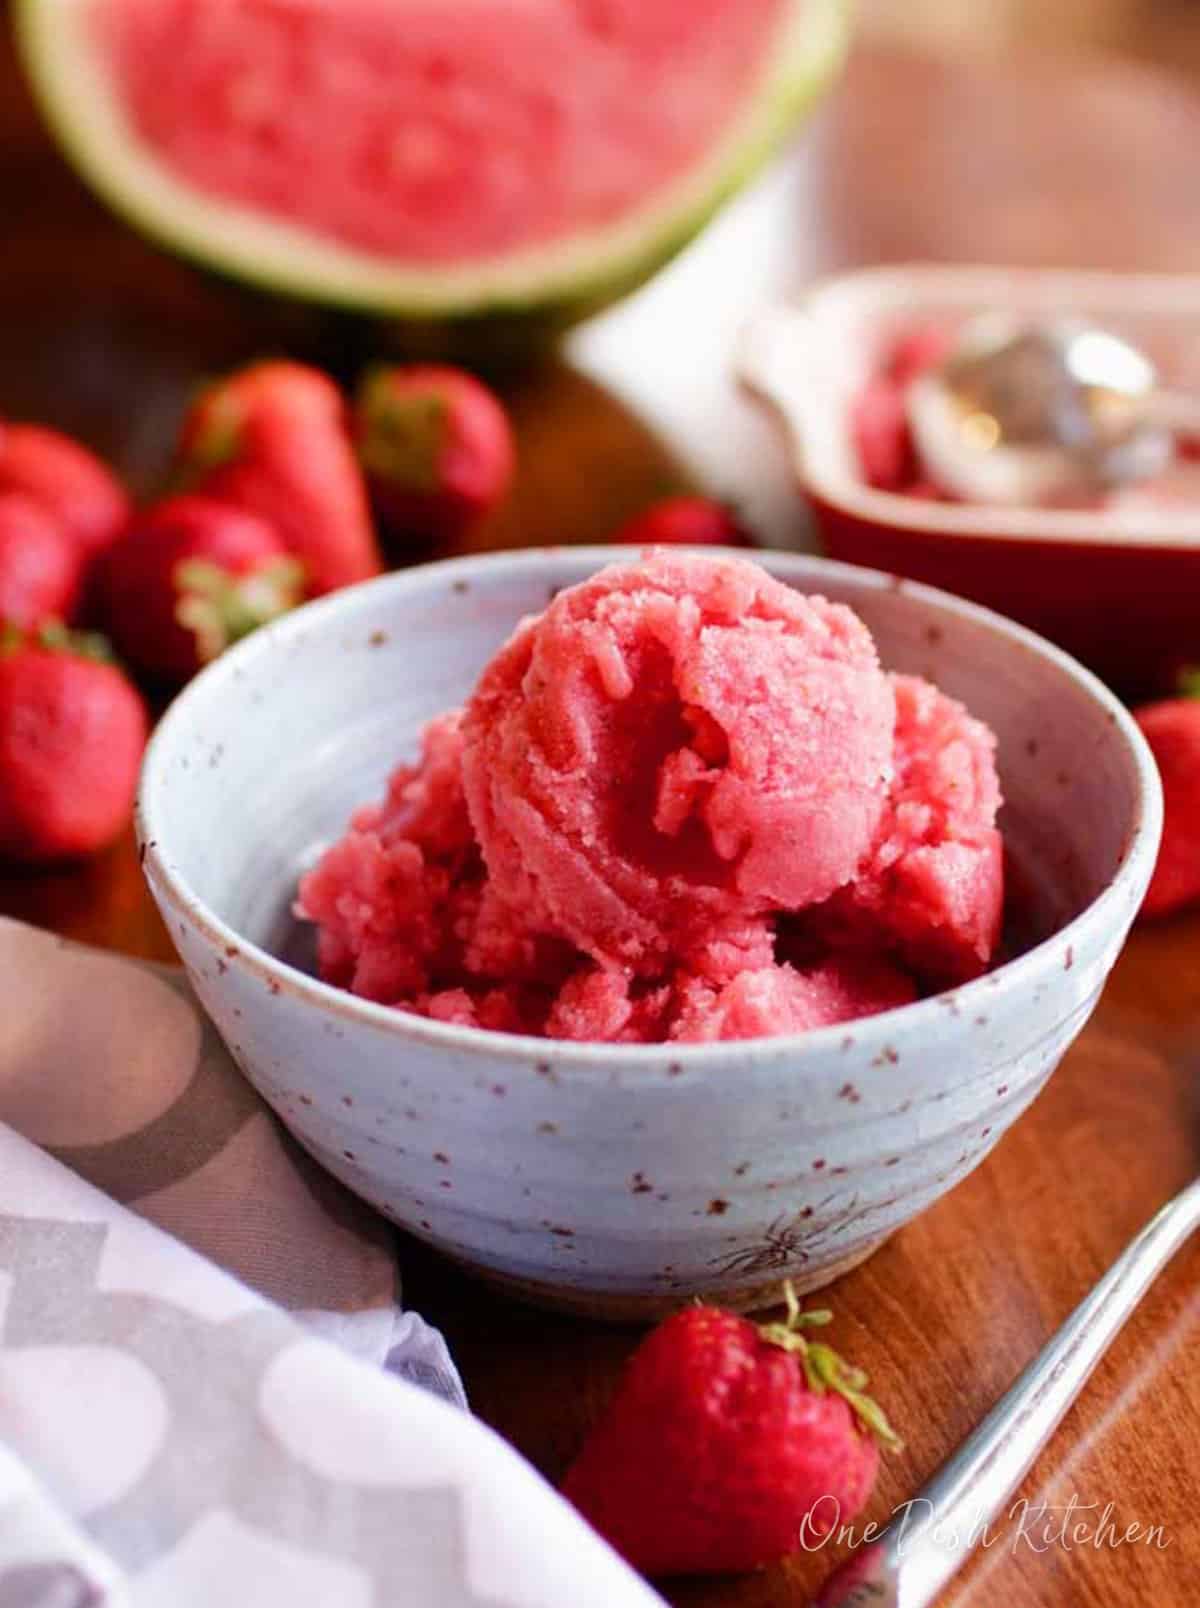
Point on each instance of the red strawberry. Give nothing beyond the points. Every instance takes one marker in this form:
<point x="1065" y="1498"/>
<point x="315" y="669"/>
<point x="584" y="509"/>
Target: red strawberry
<point x="1172" y="728"/>
<point x="188" y="578"/>
<point x="272" y="439"/>
<point x="684" y="522"/>
<point x="80" y="494"/>
<point x="880" y="435"/>
<point x="72" y="732"/>
<point x="437" y="447"/>
<point x="40" y="567"/>
<point x="915" y="351"/>
<point x="722" y="1439"/>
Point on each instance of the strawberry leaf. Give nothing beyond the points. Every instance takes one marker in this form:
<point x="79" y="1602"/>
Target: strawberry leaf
<point x="220" y="608"/>
<point x="850" y="1384"/>
<point x="824" y="1369"/>
<point x="217" y="440"/>
<point x="403" y="435"/>
<point x="55" y="637"/>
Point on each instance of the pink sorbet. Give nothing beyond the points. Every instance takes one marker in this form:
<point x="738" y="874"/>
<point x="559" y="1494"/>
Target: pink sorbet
<point x="598" y="1004"/>
<point x="676" y="743"/>
<point x="684" y="805"/>
<point x="781" y="999"/>
<point x="402" y="906"/>
<point x="931" y="892"/>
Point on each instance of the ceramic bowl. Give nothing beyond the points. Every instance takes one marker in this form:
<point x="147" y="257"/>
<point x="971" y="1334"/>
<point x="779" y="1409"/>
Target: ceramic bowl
<point x="1116" y="588"/>
<point x="621" y="1180"/>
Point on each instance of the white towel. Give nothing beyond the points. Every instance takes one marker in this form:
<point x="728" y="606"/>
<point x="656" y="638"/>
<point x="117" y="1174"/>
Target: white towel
<point x="173" y="1435"/>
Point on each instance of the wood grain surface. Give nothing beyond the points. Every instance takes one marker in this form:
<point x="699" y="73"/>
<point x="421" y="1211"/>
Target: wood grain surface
<point x="1030" y="162"/>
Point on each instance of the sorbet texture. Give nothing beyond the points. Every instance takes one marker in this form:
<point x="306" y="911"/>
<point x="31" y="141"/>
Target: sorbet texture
<point x="684" y="804"/>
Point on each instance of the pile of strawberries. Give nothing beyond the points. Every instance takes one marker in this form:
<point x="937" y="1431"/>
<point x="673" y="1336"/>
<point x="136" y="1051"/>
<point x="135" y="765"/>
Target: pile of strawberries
<point x="271" y="503"/>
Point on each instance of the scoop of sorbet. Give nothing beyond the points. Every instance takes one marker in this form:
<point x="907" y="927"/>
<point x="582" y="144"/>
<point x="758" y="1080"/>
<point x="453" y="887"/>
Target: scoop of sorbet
<point x="676" y="743"/>
<point x="403" y="909"/>
<point x="931" y="891"/>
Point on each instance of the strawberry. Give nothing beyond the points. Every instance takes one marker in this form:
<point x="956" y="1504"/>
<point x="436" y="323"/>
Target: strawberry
<point x="916" y="350"/>
<point x="188" y="578"/>
<point x="80" y="494"/>
<point x="72" y="732"/>
<point x="684" y="522"/>
<point x="878" y="417"/>
<point x="271" y="439"/>
<point x="723" y="1438"/>
<point x="881" y="436"/>
<point x="40" y="567"/>
<point x="1172" y="728"/>
<point x="437" y="447"/>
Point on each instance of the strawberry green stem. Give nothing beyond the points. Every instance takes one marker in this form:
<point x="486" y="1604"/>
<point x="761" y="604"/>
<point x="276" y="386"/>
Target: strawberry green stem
<point x="824" y="1369"/>
<point x="54" y="637"/>
<point x="58" y="638"/>
<point x="403" y="435"/>
<point x="220" y="608"/>
<point x="219" y="439"/>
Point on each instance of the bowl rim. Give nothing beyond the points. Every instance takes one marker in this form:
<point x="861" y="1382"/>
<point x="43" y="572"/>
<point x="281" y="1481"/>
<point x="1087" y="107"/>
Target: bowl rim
<point x="1011" y="977"/>
<point x="804" y="407"/>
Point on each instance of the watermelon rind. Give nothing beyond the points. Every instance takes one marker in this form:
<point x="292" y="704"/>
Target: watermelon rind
<point x="557" y="281"/>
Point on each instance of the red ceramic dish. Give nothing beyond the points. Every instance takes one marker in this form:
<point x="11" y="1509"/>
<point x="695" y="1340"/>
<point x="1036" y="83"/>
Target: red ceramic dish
<point x="1118" y="588"/>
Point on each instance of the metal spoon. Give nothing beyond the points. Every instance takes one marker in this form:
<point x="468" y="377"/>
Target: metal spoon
<point x="1057" y="412"/>
<point x="914" y="1557"/>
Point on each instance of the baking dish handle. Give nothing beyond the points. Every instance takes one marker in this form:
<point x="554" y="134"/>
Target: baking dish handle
<point x="777" y="361"/>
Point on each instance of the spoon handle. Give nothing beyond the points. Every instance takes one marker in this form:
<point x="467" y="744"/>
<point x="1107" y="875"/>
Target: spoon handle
<point x="932" y="1537"/>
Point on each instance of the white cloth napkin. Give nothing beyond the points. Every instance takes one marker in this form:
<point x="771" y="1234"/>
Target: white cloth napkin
<point x="170" y="1435"/>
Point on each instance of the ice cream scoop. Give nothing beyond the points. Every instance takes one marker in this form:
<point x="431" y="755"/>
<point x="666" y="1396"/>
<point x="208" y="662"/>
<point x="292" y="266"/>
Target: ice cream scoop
<point x="1026" y="413"/>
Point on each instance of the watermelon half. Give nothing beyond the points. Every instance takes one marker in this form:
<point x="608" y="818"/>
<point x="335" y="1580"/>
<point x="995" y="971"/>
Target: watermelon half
<point x="426" y="158"/>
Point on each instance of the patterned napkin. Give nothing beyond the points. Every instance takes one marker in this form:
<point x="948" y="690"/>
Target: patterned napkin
<point x="172" y="1436"/>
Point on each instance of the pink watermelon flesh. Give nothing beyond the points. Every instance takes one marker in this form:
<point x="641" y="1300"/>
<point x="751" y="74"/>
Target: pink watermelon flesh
<point x="430" y="132"/>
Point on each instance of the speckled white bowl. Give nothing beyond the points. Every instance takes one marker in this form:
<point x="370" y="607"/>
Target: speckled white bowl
<point x="612" y="1179"/>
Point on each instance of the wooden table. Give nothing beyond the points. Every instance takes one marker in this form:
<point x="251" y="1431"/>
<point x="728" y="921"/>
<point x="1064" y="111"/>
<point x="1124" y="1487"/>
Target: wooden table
<point x="915" y="159"/>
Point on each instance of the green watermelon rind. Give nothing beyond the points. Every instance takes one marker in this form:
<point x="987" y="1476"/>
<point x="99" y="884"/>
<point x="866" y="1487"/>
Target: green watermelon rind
<point x="557" y="282"/>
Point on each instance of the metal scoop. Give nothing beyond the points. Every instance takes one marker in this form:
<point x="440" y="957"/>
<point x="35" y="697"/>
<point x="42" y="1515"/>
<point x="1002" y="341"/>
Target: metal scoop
<point x="1054" y="413"/>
